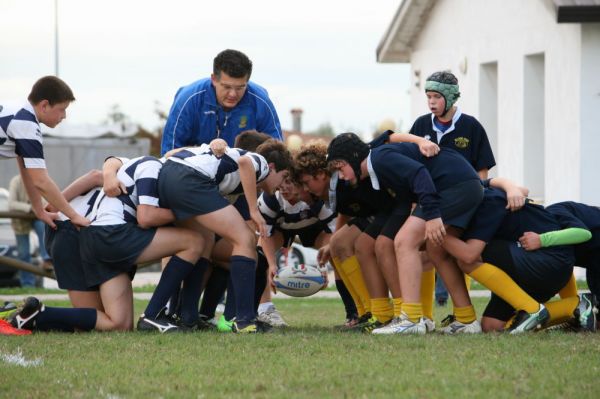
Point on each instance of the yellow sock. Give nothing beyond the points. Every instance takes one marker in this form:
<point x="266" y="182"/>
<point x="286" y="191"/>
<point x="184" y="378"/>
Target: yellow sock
<point x="570" y="289"/>
<point x="414" y="311"/>
<point x="357" y="301"/>
<point x="468" y="282"/>
<point x="427" y="289"/>
<point x="465" y="315"/>
<point x="351" y="268"/>
<point x="561" y="310"/>
<point x="382" y="309"/>
<point x="397" y="306"/>
<point x="500" y="283"/>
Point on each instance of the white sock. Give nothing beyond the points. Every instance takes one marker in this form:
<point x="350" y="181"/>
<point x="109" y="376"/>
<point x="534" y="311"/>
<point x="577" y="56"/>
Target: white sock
<point x="262" y="308"/>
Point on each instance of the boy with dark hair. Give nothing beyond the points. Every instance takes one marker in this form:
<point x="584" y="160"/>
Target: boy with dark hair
<point x="21" y="137"/>
<point x="221" y="106"/>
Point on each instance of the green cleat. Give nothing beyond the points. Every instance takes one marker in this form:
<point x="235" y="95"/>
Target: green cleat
<point x="7" y="310"/>
<point x="224" y="326"/>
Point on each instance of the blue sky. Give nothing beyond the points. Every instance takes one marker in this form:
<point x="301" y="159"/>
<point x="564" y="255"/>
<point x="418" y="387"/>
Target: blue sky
<point x="314" y="55"/>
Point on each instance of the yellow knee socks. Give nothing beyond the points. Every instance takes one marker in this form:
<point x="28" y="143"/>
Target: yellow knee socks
<point x="427" y="289"/>
<point x="500" y="283"/>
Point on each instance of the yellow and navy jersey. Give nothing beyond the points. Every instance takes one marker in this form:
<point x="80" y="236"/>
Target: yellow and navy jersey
<point x="223" y="170"/>
<point x="20" y="135"/>
<point x="465" y="135"/>
<point x="360" y="200"/>
<point x="493" y="220"/>
<point x="140" y="177"/>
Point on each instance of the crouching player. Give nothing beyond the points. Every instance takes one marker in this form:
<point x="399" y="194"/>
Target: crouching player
<point x="194" y="183"/>
<point x="520" y="281"/>
<point x="291" y="211"/>
<point x="122" y="234"/>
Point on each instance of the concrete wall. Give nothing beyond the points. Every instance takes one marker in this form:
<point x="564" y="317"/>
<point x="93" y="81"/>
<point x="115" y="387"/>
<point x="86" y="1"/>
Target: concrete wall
<point x="465" y="36"/>
<point x="69" y="158"/>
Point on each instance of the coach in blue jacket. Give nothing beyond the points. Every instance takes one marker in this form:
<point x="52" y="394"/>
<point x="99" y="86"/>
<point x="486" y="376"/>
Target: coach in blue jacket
<point x="222" y="106"/>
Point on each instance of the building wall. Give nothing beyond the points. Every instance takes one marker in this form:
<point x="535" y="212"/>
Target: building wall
<point x="463" y="35"/>
<point x="67" y="159"/>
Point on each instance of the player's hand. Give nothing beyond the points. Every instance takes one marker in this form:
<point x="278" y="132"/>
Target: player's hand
<point x="530" y="241"/>
<point x="323" y="255"/>
<point x="325" y="276"/>
<point x="47" y="217"/>
<point x="515" y="200"/>
<point x="218" y="147"/>
<point x="428" y="148"/>
<point x="51" y="208"/>
<point x="270" y="276"/>
<point x="435" y="231"/>
<point x="113" y="187"/>
<point x="259" y="222"/>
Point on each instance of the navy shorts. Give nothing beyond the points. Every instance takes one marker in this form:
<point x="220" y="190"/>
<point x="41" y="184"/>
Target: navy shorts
<point x="188" y="192"/>
<point x="388" y="224"/>
<point x="62" y="245"/>
<point x="108" y="251"/>
<point x="458" y="203"/>
<point x="540" y="273"/>
<point x="361" y="222"/>
<point x="308" y="235"/>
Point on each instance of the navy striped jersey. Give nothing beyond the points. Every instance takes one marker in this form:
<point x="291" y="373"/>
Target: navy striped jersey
<point x="84" y="204"/>
<point x="278" y="212"/>
<point x="140" y="176"/>
<point x="223" y="170"/>
<point x="20" y="135"/>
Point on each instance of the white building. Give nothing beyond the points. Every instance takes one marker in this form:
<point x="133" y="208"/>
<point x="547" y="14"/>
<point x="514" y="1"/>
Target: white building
<point x="529" y="70"/>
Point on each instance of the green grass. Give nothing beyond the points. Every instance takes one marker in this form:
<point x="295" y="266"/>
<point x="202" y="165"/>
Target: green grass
<point x="310" y="359"/>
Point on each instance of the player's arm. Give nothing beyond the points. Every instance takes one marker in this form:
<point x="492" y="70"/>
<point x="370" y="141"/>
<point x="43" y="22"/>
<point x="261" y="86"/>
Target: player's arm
<point x="324" y="254"/>
<point x="465" y="251"/>
<point x="248" y="180"/>
<point x="531" y="241"/>
<point x="39" y="184"/>
<point x="153" y="216"/>
<point x="483" y="173"/>
<point x="427" y="148"/>
<point x="269" y="247"/>
<point x="112" y="186"/>
<point x="83" y="184"/>
<point x="515" y="194"/>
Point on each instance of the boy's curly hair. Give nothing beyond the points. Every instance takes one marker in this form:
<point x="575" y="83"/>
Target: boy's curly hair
<point x="311" y="160"/>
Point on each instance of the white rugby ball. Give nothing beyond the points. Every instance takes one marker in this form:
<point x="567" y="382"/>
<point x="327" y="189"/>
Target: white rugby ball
<point x="299" y="280"/>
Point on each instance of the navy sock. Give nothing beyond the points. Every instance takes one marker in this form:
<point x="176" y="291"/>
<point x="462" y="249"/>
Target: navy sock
<point x="260" y="280"/>
<point x="174" y="302"/>
<point x="170" y="279"/>
<point x="230" y="309"/>
<point x="214" y="291"/>
<point x="191" y="291"/>
<point x="66" y="319"/>
<point x="242" y="272"/>
<point x="349" y="304"/>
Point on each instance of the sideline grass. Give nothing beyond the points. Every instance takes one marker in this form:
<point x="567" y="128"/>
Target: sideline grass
<point x="309" y="360"/>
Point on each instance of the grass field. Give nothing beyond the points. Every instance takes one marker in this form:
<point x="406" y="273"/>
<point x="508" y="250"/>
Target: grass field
<point x="310" y="359"/>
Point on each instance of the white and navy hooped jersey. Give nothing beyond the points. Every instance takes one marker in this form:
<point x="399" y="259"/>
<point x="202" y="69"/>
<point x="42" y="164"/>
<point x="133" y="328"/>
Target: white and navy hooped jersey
<point x="278" y="212"/>
<point x="20" y="135"/>
<point x="140" y="176"/>
<point x="223" y="170"/>
<point x="84" y="204"/>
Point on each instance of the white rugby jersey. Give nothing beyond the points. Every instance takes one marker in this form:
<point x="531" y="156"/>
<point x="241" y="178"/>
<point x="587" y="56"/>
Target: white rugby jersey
<point x="140" y="176"/>
<point x="278" y="212"/>
<point x="223" y="170"/>
<point x="83" y="204"/>
<point x="20" y="135"/>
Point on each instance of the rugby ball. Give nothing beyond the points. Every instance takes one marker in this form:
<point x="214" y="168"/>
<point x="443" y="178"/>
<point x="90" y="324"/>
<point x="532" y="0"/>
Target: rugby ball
<point x="299" y="280"/>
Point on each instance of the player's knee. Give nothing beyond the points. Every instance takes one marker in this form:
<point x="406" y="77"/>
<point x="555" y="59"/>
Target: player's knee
<point x="363" y="247"/>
